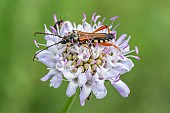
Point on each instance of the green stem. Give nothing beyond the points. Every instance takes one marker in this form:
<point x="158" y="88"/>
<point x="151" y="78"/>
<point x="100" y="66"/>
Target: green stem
<point x="69" y="104"/>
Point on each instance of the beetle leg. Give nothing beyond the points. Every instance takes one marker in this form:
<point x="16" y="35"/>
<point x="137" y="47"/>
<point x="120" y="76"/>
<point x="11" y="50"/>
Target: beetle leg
<point x="109" y="44"/>
<point x="101" y="28"/>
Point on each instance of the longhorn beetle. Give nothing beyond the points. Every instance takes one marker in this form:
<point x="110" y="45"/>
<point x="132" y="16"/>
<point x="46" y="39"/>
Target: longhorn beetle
<point x="83" y="38"/>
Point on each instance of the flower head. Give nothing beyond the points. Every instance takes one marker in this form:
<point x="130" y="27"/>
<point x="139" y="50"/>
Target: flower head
<point x="85" y="64"/>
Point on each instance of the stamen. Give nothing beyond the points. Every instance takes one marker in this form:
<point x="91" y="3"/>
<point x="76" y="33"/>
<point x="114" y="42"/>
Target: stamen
<point x="115" y="26"/>
<point x="136" y="57"/>
<point x="136" y="49"/>
<point x="67" y="55"/>
<point x="78" y="62"/>
<point x="57" y="29"/>
<point x="93" y="16"/>
<point x="125" y="47"/>
<point x="118" y="76"/>
<point x="117" y="80"/>
<point x="97" y="17"/>
<point x="65" y="62"/>
<point x="122" y="57"/>
<point x="130" y="52"/>
<point x="35" y="42"/>
<point x="53" y="29"/>
<point x="36" y="60"/>
<point x="113" y="18"/>
<point x="55" y="18"/>
<point x="103" y="20"/>
<point x="84" y="17"/>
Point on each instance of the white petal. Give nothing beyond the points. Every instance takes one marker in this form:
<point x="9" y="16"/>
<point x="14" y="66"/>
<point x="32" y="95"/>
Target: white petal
<point x="82" y="79"/>
<point x="88" y="74"/>
<point x="84" y="93"/>
<point x="99" y="90"/>
<point x="51" y="73"/>
<point x="67" y="74"/>
<point x="71" y="89"/>
<point x="69" y="26"/>
<point x="56" y="80"/>
<point x="124" y="43"/>
<point x="127" y="65"/>
<point x="79" y="27"/>
<point x="121" y="38"/>
<point x="112" y="74"/>
<point x="46" y="58"/>
<point x="51" y="37"/>
<point x="79" y="70"/>
<point x="122" y="88"/>
<point x="54" y="48"/>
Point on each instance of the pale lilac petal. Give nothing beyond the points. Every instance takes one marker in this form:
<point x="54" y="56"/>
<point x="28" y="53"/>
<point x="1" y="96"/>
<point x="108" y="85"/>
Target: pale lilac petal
<point x="53" y="29"/>
<point x="79" y="70"/>
<point x="124" y="43"/>
<point x="88" y="74"/>
<point x="71" y="89"/>
<point x="84" y="16"/>
<point x="113" y="18"/>
<point x="127" y="65"/>
<point x="93" y="16"/>
<point x="120" y="39"/>
<point x="68" y="26"/>
<point x="84" y="93"/>
<point x="82" y="79"/>
<point x="51" y="73"/>
<point x="79" y="27"/>
<point x="99" y="90"/>
<point x="97" y="17"/>
<point x="122" y="88"/>
<point x="113" y="73"/>
<point x="56" y="80"/>
<point x="46" y="58"/>
<point x="67" y="74"/>
<point x="54" y="48"/>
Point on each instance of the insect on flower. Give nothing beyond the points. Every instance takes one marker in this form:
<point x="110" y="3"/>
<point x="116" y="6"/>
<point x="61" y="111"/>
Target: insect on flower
<point x="86" y="56"/>
<point x="83" y="38"/>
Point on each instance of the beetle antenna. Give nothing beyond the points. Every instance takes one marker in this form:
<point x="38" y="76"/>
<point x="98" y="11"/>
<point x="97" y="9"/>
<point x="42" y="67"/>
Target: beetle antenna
<point x="47" y="34"/>
<point x="45" y="49"/>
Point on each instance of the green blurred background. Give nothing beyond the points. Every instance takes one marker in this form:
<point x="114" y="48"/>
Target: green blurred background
<point x="147" y="21"/>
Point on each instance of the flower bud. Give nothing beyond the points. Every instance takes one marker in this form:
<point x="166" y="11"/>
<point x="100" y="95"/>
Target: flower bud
<point x="99" y="62"/>
<point x="74" y="63"/>
<point x="94" y="67"/>
<point x="90" y="60"/>
<point x="74" y="70"/>
<point x="75" y="57"/>
<point x="81" y="68"/>
<point x="69" y="56"/>
<point x="86" y="66"/>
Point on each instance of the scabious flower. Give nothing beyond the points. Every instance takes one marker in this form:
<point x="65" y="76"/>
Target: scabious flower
<point x="81" y="68"/>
